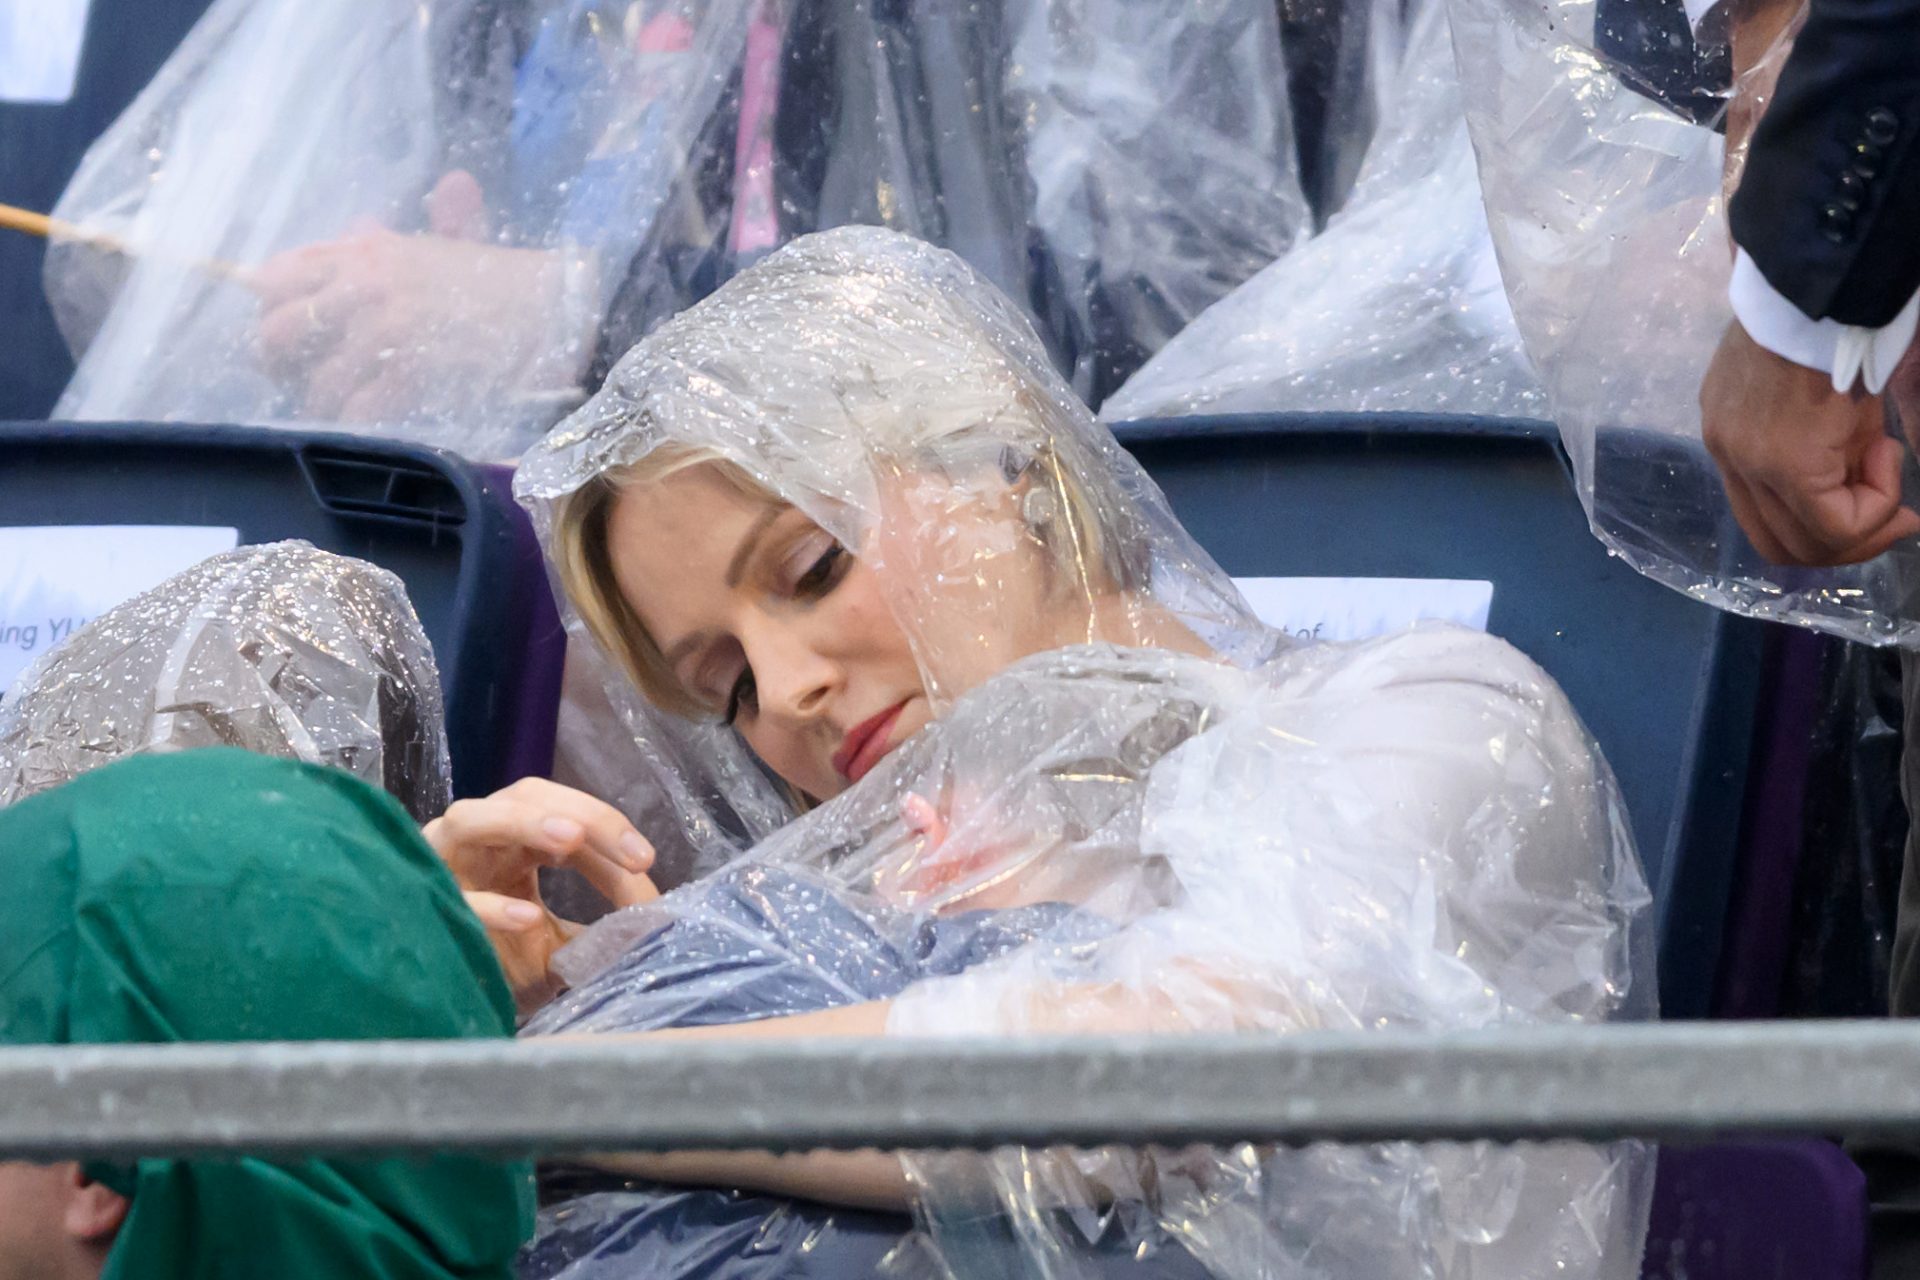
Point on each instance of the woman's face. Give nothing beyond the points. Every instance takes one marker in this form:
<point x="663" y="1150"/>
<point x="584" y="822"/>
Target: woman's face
<point x="769" y="623"/>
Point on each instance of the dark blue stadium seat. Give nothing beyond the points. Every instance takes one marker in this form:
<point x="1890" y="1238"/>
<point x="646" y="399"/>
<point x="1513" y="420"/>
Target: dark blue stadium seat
<point x="449" y="529"/>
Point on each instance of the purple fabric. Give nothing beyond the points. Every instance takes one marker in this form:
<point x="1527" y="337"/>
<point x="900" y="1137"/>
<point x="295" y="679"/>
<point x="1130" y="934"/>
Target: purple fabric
<point x="1753" y="961"/>
<point x="1789" y="1209"/>
<point x="534" y="706"/>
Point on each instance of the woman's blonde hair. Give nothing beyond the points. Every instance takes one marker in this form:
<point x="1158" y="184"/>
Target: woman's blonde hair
<point x="1073" y="536"/>
<point x="585" y="563"/>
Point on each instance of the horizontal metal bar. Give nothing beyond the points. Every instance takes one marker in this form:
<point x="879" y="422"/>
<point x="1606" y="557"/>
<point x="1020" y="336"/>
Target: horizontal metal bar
<point x="1688" y="1081"/>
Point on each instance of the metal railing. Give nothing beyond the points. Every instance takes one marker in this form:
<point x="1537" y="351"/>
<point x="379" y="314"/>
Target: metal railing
<point x="1668" y="1081"/>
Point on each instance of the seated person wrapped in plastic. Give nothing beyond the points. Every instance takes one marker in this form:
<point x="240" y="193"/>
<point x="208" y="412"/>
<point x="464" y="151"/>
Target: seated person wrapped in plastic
<point x="1052" y="776"/>
<point x="281" y="649"/>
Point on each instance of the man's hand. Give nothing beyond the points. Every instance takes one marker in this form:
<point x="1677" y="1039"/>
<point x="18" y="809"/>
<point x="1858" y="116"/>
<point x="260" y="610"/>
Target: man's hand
<point x="1903" y="393"/>
<point x="1811" y="474"/>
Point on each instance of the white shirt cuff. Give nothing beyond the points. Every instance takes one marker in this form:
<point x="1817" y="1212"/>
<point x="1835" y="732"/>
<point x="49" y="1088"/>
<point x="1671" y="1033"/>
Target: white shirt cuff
<point x="1851" y="353"/>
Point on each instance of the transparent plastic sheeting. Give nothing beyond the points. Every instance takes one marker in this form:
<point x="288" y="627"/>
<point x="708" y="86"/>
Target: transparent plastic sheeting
<point x="280" y="649"/>
<point x="1608" y="216"/>
<point x="1397" y="306"/>
<point x="449" y="218"/>
<point x="1110" y="800"/>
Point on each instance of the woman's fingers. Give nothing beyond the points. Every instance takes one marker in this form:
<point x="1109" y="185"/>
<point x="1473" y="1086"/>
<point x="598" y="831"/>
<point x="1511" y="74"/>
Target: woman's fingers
<point x="292" y="274"/>
<point x="492" y="842"/>
<point x="604" y="829"/>
<point x="924" y="820"/>
<point x="477" y="832"/>
<point x="473" y="835"/>
<point x="524" y="937"/>
<point x="324" y="342"/>
<point x="502" y="914"/>
<point x="621" y="888"/>
<point x="457" y="207"/>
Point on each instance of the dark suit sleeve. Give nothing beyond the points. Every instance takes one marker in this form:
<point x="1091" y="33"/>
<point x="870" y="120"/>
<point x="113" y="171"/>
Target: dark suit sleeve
<point x="1829" y="207"/>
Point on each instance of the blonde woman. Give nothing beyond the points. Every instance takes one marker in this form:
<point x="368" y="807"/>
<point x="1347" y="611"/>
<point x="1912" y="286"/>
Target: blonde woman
<point x="846" y="538"/>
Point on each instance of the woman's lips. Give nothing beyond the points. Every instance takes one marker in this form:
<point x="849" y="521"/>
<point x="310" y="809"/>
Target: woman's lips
<point x="866" y="744"/>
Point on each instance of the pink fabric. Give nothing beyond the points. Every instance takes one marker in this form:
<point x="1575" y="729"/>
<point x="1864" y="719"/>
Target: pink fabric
<point x="667" y="33"/>
<point x="657" y="40"/>
<point x="756" y="228"/>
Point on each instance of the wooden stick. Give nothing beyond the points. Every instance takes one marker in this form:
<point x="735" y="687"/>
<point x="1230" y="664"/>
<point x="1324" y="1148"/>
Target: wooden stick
<point x="34" y="224"/>
<point x="30" y="223"/>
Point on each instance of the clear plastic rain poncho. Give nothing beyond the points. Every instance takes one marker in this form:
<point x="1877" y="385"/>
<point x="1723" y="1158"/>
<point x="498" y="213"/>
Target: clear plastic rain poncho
<point x="1397" y="306"/>
<point x="280" y="649"/>
<point x="1597" y="129"/>
<point x="1135" y="809"/>
<point x="448" y="218"/>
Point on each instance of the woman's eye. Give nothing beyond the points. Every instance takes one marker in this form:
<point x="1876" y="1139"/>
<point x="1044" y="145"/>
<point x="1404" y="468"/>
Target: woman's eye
<point x="819" y="575"/>
<point x="741" y="695"/>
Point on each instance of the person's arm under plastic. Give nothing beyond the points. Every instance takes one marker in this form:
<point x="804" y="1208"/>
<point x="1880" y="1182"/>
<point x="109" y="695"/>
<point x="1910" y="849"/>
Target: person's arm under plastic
<point x="1429" y="725"/>
<point x="380" y="325"/>
<point x="857" y="1179"/>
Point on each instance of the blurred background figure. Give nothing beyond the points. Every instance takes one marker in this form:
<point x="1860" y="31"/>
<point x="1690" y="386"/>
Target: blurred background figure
<point x="455" y="223"/>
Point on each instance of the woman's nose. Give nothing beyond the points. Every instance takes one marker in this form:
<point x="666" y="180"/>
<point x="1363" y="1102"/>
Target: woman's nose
<point x="792" y="680"/>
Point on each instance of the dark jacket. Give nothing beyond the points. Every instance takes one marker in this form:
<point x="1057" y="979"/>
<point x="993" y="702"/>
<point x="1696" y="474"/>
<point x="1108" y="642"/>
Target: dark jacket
<point x="1829" y="207"/>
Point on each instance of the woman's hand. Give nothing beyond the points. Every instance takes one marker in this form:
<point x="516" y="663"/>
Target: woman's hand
<point x="495" y="848"/>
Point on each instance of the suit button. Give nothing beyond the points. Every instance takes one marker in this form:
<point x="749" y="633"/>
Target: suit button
<point x="1866" y="159"/>
<point x="1882" y="127"/>
<point x="1852" y="184"/>
<point x="1836" y="223"/>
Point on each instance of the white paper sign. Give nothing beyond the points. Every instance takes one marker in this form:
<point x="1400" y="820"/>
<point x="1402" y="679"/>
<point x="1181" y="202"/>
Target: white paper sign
<point x="54" y="580"/>
<point x="40" y="42"/>
<point x="1355" y="608"/>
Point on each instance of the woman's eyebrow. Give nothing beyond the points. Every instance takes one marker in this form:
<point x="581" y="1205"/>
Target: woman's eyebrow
<point x="744" y="551"/>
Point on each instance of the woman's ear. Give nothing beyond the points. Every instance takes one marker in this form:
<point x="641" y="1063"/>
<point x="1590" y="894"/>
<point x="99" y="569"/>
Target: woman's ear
<point x="94" y="1210"/>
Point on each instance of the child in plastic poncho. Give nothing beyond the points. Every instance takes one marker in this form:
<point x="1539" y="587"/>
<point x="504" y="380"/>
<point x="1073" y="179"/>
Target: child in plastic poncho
<point x="114" y="880"/>
<point x="1055" y="779"/>
<point x="280" y="649"/>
